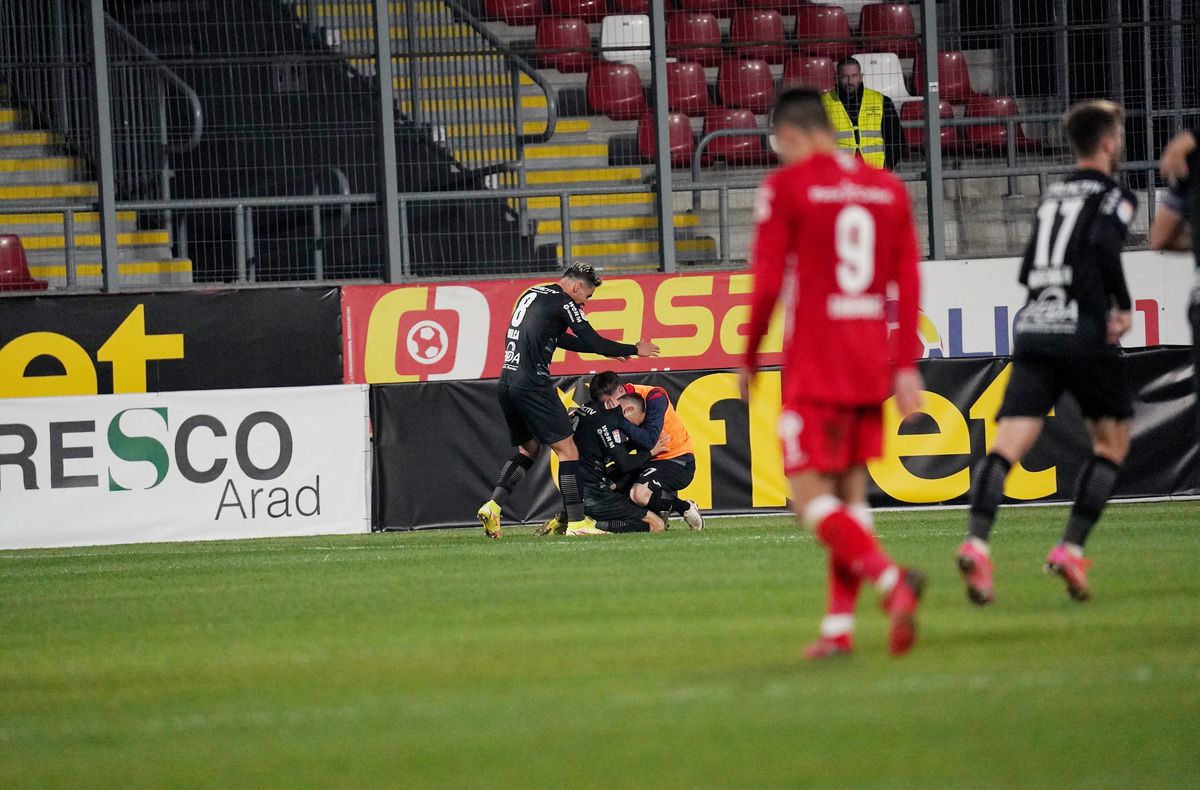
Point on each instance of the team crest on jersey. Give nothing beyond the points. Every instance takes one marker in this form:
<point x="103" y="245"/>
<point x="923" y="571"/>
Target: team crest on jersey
<point x="762" y="203"/>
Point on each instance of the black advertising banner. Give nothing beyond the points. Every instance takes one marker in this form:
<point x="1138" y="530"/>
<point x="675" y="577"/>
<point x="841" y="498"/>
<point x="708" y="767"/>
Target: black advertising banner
<point x="440" y="445"/>
<point x="159" y="342"/>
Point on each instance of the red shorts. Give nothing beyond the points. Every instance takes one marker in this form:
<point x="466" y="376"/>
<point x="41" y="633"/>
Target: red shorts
<point x="828" y="437"/>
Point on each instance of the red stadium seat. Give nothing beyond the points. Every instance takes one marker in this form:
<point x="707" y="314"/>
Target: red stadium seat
<point x="14" y="268"/>
<point x="746" y="84"/>
<point x="786" y="7"/>
<point x="564" y="44"/>
<point x="687" y="88"/>
<point x="514" y="12"/>
<point x="954" y="78"/>
<point x="587" y="10"/>
<point x="993" y="137"/>
<point x="735" y="149"/>
<point x="889" y="27"/>
<point x="758" y="33"/>
<point x="815" y="71"/>
<point x="695" y="38"/>
<point x="631" y="6"/>
<point x="718" y="7"/>
<point x="914" y="139"/>
<point x="615" y="89"/>
<point x="679" y="130"/>
<point x="823" y="30"/>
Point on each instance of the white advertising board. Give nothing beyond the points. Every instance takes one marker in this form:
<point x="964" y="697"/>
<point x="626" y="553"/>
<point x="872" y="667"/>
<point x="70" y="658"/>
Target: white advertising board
<point x="969" y="307"/>
<point x="77" y="471"/>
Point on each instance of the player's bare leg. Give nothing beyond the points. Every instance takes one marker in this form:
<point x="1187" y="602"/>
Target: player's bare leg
<point x="854" y="555"/>
<point x="513" y="473"/>
<point x="1110" y="446"/>
<point x="1015" y="437"/>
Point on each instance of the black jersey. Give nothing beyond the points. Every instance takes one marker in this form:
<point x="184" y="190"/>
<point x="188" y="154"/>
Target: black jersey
<point x="604" y="453"/>
<point x="1072" y="266"/>
<point x="539" y="324"/>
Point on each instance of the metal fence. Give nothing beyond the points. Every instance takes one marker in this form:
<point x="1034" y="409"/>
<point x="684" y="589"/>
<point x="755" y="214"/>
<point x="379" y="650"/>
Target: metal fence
<point x="147" y="145"/>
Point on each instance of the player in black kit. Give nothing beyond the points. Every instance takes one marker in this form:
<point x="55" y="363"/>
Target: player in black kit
<point x="1066" y="341"/>
<point x="605" y="455"/>
<point x="1177" y="224"/>
<point x="531" y="406"/>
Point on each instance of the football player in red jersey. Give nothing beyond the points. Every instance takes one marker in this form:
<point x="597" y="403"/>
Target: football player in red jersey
<point x="841" y="234"/>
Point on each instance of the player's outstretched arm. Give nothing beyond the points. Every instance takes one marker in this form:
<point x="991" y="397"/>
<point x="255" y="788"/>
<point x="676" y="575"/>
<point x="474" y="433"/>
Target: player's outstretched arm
<point x="588" y="340"/>
<point x="1174" y="164"/>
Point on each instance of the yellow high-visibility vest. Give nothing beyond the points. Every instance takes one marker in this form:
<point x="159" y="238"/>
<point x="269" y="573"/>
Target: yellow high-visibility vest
<point x="867" y="136"/>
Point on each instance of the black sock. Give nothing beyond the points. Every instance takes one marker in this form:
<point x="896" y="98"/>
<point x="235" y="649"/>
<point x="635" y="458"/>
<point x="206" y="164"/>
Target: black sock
<point x="568" y="484"/>
<point x="664" y="502"/>
<point x="986" y="494"/>
<point x="513" y="472"/>
<point x="1092" y="490"/>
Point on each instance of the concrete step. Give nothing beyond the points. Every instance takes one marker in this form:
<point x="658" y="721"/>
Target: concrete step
<point x="41" y="193"/>
<point x="548" y="156"/>
<point x="605" y="175"/>
<point x="52" y="222"/>
<point x="28" y="144"/>
<point x="52" y="243"/>
<point x="166" y="271"/>
<point x="565" y="126"/>
<point x="599" y="229"/>
<point x="40" y="170"/>
<point x="474" y="105"/>
<point x="366" y="10"/>
<point x="639" y="203"/>
<point x="10" y="118"/>
<point x="457" y="82"/>
<point x="639" y="256"/>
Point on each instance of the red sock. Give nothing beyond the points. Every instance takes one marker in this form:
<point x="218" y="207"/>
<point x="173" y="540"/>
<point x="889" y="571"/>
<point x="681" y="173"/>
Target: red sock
<point x="843" y="589"/>
<point x="851" y="545"/>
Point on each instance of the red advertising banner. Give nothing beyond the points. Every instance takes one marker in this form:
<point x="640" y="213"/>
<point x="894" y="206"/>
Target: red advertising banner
<point x="455" y="331"/>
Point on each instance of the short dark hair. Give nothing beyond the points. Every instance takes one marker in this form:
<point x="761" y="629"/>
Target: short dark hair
<point x="1088" y="122"/>
<point x="604" y="384"/>
<point x="634" y="399"/>
<point x="584" y="272"/>
<point x="801" y="107"/>
<point x="848" y="61"/>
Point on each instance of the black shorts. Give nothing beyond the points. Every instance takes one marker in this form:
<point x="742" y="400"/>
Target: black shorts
<point x="671" y="475"/>
<point x="1097" y="380"/>
<point x="611" y="506"/>
<point x="534" y="414"/>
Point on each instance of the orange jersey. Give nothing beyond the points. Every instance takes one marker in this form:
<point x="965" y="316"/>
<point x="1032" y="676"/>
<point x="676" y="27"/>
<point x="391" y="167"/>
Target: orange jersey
<point x="680" y="443"/>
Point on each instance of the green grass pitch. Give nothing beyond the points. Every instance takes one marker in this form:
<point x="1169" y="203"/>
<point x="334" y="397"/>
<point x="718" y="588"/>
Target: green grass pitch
<point x="663" y="661"/>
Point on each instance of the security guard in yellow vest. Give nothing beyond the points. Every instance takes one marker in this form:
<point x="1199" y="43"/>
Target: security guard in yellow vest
<point x="864" y="120"/>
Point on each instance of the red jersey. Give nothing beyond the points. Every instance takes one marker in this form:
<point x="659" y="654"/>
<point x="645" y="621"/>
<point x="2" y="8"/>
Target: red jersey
<point x="844" y="231"/>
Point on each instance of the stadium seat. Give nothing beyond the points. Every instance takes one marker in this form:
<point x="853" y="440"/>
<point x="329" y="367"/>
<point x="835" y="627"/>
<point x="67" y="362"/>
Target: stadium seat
<point x="631" y="6"/>
<point x="889" y="27"/>
<point x="514" y="12"/>
<point x="615" y="89"/>
<point x="882" y="72"/>
<point x="695" y="38"/>
<point x="758" y="33"/>
<point x="816" y="71"/>
<point x="587" y="10"/>
<point x="718" y="7"/>
<point x="14" y="268"/>
<point x="954" y="78"/>
<point x="564" y="44"/>
<point x="625" y="38"/>
<point x="823" y="30"/>
<point x="687" y="88"/>
<point x="735" y="149"/>
<point x="679" y="130"/>
<point x="914" y="139"/>
<point x="993" y="137"/>
<point x="787" y="7"/>
<point x="746" y="84"/>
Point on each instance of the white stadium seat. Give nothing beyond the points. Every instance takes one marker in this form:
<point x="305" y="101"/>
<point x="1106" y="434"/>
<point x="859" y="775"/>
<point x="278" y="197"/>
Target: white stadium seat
<point x="882" y="72"/>
<point x="626" y="30"/>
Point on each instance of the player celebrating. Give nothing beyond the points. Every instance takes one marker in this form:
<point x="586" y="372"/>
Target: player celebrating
<point x="1066" y="341"/>
<point x="1177" y="223"/>
<point x="657" y="423"/>
<point x="531" y="406"/>
<point x="844" y="231"/>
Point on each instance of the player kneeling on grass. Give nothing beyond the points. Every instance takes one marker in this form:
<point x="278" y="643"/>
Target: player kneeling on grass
<point x="652" y="424"/>
<point x="845" y="231"/>
<point x="604" y="455"/>
<point x="1066" y="341"/>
